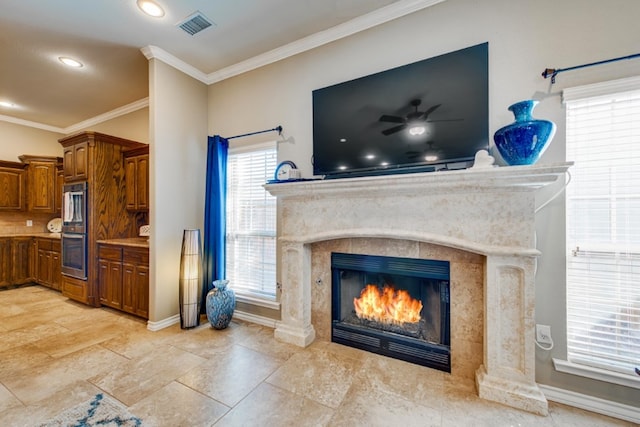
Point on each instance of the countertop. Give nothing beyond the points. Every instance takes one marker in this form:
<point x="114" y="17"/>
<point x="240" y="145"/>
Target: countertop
<point x="45" y="235"/>
<point x="138" y="242"/>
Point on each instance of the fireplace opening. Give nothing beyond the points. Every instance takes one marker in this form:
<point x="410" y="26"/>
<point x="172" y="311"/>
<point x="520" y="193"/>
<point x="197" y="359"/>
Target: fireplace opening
<point x="397" y="307"/>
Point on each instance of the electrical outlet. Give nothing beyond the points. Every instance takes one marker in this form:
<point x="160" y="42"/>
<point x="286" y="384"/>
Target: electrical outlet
<point x="29" y="223"/>
<point x="543" y="334"/>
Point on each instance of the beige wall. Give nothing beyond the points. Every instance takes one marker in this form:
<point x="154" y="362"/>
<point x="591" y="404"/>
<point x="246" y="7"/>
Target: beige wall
<point x="178" y="152"/>
<point x="525" y="37"/>
<point x="16" y="140"/>
<point x="133" y="126"/>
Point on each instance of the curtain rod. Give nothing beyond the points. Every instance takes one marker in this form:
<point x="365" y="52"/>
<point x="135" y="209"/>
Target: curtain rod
<point x="553" y="72"/>
<point x="278" y="128"/>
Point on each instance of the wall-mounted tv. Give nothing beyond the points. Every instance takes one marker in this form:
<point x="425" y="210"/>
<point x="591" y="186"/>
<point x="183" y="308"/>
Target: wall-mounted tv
<point x="425" y="116"/>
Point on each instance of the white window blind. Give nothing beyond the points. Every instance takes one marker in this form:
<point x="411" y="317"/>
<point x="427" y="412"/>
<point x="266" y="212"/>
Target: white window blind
<point x="251" y="222"/>
<point x="603" y="227"/>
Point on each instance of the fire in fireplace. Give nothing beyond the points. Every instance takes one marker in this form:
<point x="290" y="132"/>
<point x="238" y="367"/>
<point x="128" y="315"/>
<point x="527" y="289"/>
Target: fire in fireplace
<point x="398" y="307"/>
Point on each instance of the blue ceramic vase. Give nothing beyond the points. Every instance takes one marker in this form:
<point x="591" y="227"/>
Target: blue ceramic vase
<point x="220" y="304"/>
<point x="523" y="141"/>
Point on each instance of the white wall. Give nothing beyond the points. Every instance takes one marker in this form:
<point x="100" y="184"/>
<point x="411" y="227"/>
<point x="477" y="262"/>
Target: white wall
<point x="178" y="152"/>
<point x="525" y="37"/>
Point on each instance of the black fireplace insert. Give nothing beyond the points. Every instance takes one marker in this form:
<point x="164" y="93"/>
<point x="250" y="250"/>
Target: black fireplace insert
<point x="397" y="307"/>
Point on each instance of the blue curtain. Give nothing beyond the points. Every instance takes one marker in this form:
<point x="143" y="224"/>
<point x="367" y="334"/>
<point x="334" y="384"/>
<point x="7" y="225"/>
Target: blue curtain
<point x="213" y="258"/>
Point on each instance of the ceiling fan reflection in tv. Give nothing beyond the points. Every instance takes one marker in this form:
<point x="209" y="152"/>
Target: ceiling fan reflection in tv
<point x="414" y="120"/>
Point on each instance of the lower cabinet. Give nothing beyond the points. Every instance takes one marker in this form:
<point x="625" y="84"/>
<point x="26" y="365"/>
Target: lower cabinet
<point x="22" y="260"/>
<point x="123" y="278"/>
<point x="15" y="261"/>
<point x="48" y="264"/>
<point x="6" y="254"/>
<point x="76" y="289"/>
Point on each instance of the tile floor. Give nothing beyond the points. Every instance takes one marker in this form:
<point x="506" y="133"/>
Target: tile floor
<point x="55" y="353"/>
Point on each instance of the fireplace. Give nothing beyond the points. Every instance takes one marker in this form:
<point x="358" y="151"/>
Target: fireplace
<point x="398" y="307"/>
<point x="487" y="213"/>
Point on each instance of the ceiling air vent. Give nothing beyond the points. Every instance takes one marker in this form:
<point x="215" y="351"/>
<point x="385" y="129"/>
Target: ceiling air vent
<point x="195" y="23"/>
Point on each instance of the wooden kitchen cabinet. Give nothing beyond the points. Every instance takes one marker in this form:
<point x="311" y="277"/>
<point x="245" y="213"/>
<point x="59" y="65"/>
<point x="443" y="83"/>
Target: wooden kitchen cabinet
<point x="56" y="265"/>
<point x="22" y="260"/>
<point x="48" y="263"/>
<point x="97" y="159"/>
<point x="41" y="183"/>
<point x="16" y="261"/>
<point x="136" y="164"/>
<point x="12" y="186"/>
<point x="110" y="276"/>
<point x="59" y="188"/>
<point x="76" y="162"/>
<point x="6" y="272"/>
<point x="135" y="281"/>
<point x="123" y="278"/>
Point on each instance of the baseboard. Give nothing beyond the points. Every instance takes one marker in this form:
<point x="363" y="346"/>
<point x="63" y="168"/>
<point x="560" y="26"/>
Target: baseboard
<point x="164" y="323"/>
<point x="253" y="318"/>
<point x="590" y="403"/>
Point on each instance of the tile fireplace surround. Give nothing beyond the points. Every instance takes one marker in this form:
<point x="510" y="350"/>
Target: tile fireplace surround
<point x="488" y="212"/>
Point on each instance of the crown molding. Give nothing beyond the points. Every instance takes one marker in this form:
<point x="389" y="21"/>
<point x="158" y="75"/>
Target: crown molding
<point x="31" y="124"/>
<point x="120" y="111"/>
<point x="356" y="25"/>
<point x="154" y="52"/>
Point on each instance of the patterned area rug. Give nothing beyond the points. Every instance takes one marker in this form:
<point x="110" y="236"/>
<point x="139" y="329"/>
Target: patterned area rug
<point x="99" y="411"/>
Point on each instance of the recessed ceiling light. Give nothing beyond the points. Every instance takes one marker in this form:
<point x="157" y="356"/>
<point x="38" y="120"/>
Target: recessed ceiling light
<point x="70" y="62"/>
<point x="7" y="104"/>
<point x="151" y="8"/>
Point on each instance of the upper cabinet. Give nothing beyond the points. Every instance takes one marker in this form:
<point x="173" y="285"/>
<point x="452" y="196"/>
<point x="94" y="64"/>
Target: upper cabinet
<point x="12" y="186"/>
<point x="136" y="164"/>
<point x="42" y="184"/>
<point x="59" y="187"/>
<point x="76" y="161"/>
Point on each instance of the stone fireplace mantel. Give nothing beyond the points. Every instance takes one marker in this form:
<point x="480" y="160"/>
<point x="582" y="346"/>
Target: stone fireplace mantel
<point x="488" y="211"/>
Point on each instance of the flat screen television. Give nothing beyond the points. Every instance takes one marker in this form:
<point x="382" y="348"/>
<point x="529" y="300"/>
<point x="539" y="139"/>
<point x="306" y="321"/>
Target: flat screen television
<point x="425" y="116"/>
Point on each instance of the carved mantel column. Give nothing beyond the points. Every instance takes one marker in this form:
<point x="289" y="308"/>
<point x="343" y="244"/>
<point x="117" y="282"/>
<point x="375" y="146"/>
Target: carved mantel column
<point x="295" y="326"/>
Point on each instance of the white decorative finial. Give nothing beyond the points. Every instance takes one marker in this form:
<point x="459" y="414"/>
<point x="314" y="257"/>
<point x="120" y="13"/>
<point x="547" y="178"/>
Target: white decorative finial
<point x="483" y="160"/>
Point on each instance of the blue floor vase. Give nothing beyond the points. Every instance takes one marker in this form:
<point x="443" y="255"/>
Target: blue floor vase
<point x="220" y="304"/>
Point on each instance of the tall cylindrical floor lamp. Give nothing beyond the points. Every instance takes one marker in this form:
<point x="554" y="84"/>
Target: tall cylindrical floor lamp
<point x="190" y="279"/>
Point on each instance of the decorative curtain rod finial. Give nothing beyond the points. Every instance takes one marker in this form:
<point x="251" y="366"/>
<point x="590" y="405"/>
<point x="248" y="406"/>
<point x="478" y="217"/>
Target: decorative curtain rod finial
<point x="550" y="72"/>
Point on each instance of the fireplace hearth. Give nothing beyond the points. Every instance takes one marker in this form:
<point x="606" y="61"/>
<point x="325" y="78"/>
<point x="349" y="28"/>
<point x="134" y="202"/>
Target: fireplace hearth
<point x="398" y="307"/>
<point x="486" y="212"/>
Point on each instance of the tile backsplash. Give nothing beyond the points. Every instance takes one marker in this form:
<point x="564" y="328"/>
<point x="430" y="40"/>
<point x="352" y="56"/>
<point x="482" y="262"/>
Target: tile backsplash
<point x="16" y="222"/>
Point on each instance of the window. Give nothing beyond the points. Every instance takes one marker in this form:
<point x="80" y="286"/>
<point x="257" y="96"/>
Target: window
<point x="603" y="225"/>
<point x="251" y="222"/>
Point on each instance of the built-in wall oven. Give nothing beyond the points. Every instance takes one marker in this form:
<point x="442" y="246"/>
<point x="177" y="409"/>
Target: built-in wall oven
<point x="74" y="230"/>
